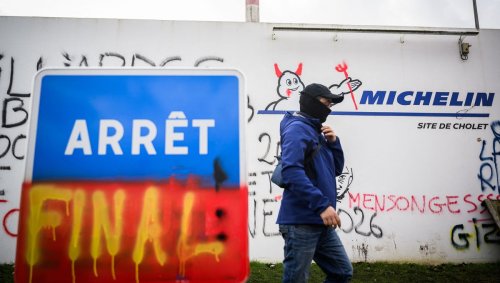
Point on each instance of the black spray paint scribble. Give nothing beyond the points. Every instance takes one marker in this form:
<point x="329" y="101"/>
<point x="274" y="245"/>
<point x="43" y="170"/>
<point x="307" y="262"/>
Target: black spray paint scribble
<point x="266" y="157"/>
<point x="487" y="232"/>
<point x="12" y="146"/>
<point x="39" y="64"/>
<point x="251" y="182"/>
<point x="111" y="54"/>
<point x="252" y="230"/>
<point x="488" y="171"/>
<point x="427" y="249"/>
<point x="143" y="59"/>
<point x="170" y="59"/>
<point x="67" y="57"/>
<point x="107" y="59"/>
<point x="208" y="58"/>
<point x="266" y="213"/>
<point x="11" y="82"/>
<point x="362" y="251"/>
<point x="83" y="62"/>
<point x="250" y="107"/>
<point x="219" y="174"/>
<point x="14" y="105"/>
<point x="357" y="223"/>
<point x="269" y="174"/>
<point x="344" y="182"/>
<point x="265" y="208"/>
<point x="14" y="115"/>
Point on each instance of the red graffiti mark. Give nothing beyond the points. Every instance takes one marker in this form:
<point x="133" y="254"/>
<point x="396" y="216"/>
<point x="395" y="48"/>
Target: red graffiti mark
<point x="279" y="73"/>
<point x="277" y="70"/>
<point x="299" y="70"/>
<point x="278" y="198"/>
<point x="6" y="229"/>
<point x="453" y="204"/>
<point x="342" y="68"/>
<point x="3" y="200"/>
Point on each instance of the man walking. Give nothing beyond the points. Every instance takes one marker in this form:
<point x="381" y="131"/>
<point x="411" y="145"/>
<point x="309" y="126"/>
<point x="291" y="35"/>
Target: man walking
<point x="312" y="157"/>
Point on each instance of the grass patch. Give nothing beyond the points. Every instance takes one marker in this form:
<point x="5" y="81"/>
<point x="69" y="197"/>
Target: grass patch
<point x="7" y="273"/>
<point x="365" y="272"/>
<point x="392" y="272"/>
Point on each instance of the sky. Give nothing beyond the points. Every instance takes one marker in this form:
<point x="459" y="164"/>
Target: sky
<point x="418" y="13"/>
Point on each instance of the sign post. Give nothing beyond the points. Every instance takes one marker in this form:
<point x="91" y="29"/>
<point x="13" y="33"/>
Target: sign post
<point x="135" y="175"/>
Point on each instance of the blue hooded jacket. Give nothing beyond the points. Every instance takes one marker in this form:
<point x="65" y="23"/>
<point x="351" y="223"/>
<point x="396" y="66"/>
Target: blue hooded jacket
<point x="304" y="199"/>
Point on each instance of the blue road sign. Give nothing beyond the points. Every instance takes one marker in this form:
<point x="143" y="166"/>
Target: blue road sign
<point x="126" y="124"/>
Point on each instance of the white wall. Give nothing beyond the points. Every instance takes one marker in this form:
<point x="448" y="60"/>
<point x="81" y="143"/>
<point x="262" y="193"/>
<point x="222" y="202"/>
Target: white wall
<point x="428" y="178"/>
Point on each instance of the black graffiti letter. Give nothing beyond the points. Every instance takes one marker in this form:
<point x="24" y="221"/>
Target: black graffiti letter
<point x="263" y="158"/>
<point x="486" y="178"/>
<point x="142" y="58"/>
<point x="208" y="58"/>
<point x="252" y="110"/>
<point x="266" y="214"/>
<point x="250" y="230"/>
<point x="356" y="209"/>
<point x="111" y="54"/>
<point x="343" y="226"/>
<point x="375" y="229"/>
<point x="2" y="154"/>
<point x="14" y="144"/>
<point x="67" y="57"/>
<point x="20" y="108"/>
<point x="170" y="59"/>
<point x="491" y="230"/>
<point x="11" y="81"/>
<point x="461" y="236"/>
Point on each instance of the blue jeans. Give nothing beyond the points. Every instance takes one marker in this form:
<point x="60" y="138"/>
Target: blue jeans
<point x="303" y="243"/>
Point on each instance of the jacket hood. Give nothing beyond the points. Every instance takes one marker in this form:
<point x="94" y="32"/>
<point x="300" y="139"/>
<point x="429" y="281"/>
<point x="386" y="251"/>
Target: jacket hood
<point x="293" y="116"/>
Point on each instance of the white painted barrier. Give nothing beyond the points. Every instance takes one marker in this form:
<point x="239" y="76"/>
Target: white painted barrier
<point x="422" y="148"/>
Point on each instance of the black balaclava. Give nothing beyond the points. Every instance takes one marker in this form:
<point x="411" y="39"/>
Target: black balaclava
<point x="313" y="107"/>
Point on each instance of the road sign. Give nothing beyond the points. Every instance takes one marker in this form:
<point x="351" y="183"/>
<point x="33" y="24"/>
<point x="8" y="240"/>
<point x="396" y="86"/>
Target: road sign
<point x="135" y="175"/>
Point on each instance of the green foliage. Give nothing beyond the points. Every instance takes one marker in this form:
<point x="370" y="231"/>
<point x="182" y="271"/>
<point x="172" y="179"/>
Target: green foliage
<point x="7" y="273"/>
<point x="392" y="272"/>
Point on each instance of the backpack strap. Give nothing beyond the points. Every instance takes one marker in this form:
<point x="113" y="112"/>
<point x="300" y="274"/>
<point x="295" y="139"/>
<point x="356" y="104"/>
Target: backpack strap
<point x="276" y="177"/>
<point x="313" y="154"/>
<point x="308" y="162"/>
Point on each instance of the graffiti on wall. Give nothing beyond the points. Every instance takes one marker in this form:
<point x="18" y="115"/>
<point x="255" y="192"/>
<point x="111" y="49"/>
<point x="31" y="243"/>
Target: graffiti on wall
<point x="290" y="85"/>
<point x="16" y="98"/>
<point x="477" y="232"/>
<point x="488" y="172"/>
<point x="12" y="138"/>
<point x="360" y="211"/>
<point x="127" y="228"/>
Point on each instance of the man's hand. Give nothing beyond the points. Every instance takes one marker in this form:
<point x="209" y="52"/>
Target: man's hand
<point x="330" y="217"/>
<point x="329" y="133"/>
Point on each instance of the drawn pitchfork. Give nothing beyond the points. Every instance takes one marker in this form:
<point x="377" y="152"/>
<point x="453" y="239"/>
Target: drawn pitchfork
<point x="342" y="68"/>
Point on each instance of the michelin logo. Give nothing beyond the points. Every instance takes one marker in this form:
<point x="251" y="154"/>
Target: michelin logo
<point x="427" y="98"/>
